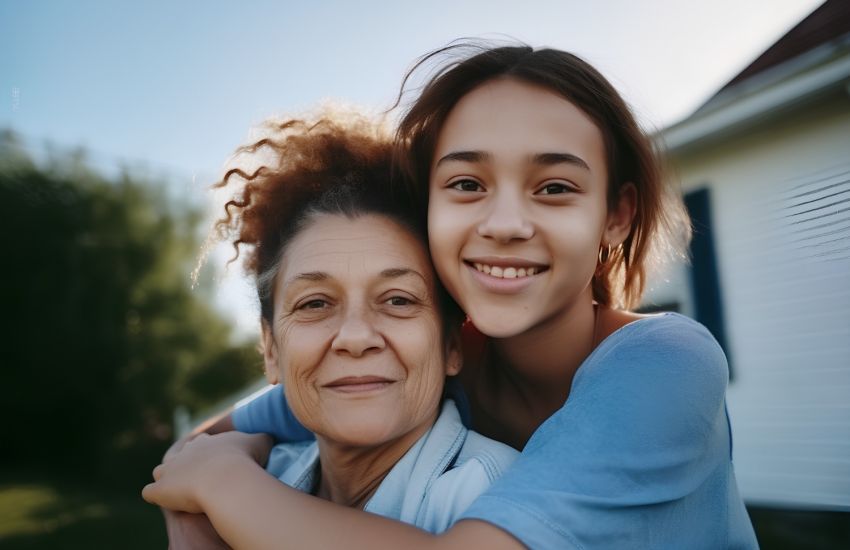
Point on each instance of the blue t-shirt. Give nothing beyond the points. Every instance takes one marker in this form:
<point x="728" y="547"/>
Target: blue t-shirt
<point x="640" y="455"/>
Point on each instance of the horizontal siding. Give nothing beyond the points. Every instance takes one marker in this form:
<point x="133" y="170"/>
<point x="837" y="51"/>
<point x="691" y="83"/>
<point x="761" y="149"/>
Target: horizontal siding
<point x="792" y="304"/>
<point x="793" y="300"/>
<point x="782" y="226"/>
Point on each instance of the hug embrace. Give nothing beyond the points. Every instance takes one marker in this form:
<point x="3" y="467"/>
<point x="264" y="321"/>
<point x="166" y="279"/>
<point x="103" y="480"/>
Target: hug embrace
<point x="445" y="314"/>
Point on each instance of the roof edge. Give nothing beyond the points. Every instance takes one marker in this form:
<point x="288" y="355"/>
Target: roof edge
<point x="762" y="96"/>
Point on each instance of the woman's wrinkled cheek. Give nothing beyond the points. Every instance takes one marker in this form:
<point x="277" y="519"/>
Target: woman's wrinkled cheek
<point x="426" y="382"/>
<point x="300" y="358"/>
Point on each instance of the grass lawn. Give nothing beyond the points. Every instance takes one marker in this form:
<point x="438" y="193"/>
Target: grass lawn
<point x="42" y="514"/>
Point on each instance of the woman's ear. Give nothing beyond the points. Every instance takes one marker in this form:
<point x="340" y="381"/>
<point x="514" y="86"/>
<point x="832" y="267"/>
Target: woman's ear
<point x="270" y="365"/>
<point x="621" y="215"/>
<point x="454" y="355"/>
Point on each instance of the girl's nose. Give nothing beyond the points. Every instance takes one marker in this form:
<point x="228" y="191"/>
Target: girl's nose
<point x="506" y="220"/>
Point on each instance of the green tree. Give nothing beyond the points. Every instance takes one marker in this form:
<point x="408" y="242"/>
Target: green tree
<point x="103" y="336"/>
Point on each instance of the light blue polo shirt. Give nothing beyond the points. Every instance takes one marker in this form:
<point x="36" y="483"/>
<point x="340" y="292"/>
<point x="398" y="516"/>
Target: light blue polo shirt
<point x="433" y="483"/>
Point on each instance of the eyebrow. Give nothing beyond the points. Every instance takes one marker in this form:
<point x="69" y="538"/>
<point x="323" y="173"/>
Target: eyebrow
<point x="549" y="159"/>
<point x="545" y="159"/>
<point x="465" y="156"/>
<point x="313" y="276"/>
<point x="396" y="272"/>
<point x="391" y="273"/>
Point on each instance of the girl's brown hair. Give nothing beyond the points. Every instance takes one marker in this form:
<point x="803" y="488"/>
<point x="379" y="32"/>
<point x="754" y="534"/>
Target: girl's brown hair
<point x="660" y="228"/>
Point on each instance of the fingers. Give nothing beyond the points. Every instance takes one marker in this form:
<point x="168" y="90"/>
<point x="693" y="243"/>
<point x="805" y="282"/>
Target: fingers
<point x="149" y="493"/>
<point x="175" y="448"/>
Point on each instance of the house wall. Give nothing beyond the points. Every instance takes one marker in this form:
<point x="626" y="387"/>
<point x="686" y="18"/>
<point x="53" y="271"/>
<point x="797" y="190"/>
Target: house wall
<point x="781" y="219"/>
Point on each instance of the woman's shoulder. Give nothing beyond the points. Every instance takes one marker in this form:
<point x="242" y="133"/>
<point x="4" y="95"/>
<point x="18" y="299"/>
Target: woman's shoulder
<point x="473" y="455"/>
<point x="480" y="452"/>
<point x="294" y="463"/>
<point x="468" y="464"/>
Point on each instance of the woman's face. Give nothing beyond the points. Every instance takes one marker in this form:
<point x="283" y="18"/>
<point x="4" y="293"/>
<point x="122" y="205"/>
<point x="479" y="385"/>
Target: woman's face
<point x="517" y="205"/>
<point x="357" y="336"/>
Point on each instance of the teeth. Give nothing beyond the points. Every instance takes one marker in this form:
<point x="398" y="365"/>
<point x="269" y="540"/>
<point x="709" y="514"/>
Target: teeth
<point x="506" y="272"/>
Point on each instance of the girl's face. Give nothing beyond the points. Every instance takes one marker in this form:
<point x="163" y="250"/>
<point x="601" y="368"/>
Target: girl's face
<point x="357" y="335"/>
<point x="517" y="205"/>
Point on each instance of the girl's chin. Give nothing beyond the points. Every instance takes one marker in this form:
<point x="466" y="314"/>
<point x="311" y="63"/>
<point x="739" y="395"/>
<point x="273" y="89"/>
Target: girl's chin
<point x="498" y="324"/>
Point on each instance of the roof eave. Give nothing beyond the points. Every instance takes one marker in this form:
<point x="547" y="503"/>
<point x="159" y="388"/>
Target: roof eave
<point x="750" y="102"/>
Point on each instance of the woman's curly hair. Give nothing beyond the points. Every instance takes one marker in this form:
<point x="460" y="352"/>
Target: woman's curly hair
<point x="333" y="164"/>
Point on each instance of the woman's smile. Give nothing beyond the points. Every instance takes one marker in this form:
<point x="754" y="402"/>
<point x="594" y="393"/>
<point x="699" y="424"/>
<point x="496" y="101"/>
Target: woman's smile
<point x="359" y="384"/>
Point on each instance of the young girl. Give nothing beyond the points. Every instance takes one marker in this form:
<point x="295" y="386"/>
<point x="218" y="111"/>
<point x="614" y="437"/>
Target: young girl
<point x="545" y="209"/>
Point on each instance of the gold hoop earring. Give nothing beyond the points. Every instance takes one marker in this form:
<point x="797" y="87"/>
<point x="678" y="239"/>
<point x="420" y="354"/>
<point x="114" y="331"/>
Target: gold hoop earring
<point x="604" y="254"/>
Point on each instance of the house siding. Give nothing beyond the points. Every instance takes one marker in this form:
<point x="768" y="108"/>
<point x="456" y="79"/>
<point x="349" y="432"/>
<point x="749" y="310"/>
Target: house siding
<point x="781" y="219"/>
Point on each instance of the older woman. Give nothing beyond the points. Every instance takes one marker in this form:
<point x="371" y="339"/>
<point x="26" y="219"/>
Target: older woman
<point x="357" y="328"/>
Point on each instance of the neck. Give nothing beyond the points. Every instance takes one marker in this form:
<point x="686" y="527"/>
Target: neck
<point x="350" y="474"/>
<point x="542" y="361"/>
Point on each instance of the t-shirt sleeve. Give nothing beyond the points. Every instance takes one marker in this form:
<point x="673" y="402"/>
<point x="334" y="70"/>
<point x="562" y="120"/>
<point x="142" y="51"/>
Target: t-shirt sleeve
<point x="638" y="457"/>
<point x="268" y="412"/>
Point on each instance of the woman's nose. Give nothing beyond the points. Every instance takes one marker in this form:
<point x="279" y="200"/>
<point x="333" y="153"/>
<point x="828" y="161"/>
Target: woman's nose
<point x="357" y="335"/>
<point x="506" y="220"/>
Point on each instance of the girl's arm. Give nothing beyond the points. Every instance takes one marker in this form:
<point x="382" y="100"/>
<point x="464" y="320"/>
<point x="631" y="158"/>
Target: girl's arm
<point x="251" y="509"/>
<point x="266" y="413"/>
<point x="286" y="518"/>
<point x="187" y="531"/>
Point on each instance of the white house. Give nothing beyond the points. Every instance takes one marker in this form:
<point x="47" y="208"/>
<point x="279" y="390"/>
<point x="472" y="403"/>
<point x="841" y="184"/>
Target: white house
<point x="765" y="168"/>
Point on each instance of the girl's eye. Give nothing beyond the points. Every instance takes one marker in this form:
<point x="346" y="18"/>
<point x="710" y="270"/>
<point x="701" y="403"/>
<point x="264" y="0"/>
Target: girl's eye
<point x="467" y="185"/>
<point x="554" y="189"/>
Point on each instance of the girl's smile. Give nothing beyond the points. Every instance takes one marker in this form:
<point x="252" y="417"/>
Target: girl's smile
<point x="518" y="205"/>
<point x="505" y="276"/>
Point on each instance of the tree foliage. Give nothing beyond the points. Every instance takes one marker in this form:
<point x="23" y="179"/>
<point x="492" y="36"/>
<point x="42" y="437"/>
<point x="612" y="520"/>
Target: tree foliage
<point x="103" y="336"/>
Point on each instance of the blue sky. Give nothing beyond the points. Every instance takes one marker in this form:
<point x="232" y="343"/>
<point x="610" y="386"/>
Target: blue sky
<point x="177" y="85"/>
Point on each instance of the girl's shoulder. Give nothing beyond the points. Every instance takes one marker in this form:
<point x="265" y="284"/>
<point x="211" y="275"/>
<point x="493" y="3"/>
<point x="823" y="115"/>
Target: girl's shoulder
<point x="648" y="331"/>
<point x="659" y="345"/>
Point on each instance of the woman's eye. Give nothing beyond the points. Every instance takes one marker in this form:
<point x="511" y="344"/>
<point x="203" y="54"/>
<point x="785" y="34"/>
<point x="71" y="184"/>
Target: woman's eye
<point x="467" y="185"/>
<point x="399" y="301"/>
<point x="555" y="189"/>
<point x="313" y="304"/>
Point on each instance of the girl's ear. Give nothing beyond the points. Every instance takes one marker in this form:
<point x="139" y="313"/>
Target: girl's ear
<point x="454" y="355"/>
<point x="270" y="365"/>
<point x="620" y="217"/>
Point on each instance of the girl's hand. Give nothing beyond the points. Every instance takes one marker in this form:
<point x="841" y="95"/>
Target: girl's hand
<point x="189" y="476"/>
<point x="191" y="531"/>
